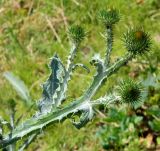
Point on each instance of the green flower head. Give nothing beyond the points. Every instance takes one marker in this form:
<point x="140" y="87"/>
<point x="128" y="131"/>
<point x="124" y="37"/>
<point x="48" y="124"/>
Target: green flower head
<point x="130" y="92"/>
<point x="76" y="34"/>
<point x="137" y="41"/>
<point x="109" y="17"/>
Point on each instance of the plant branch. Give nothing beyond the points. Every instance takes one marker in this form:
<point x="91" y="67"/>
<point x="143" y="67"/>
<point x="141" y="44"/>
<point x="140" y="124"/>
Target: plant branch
<point x="37" y="123"/>
<point x="109" y="35"/>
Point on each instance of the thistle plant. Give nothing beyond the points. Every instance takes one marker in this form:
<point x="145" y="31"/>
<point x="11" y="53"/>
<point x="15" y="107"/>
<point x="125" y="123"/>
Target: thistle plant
<point x="55" y="88"/>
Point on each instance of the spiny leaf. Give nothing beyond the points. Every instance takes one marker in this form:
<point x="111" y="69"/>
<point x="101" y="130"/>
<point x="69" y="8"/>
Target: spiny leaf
<point x="85" y="117"/>
<point x="83" y="121"/>
<point x="52" y="84"/>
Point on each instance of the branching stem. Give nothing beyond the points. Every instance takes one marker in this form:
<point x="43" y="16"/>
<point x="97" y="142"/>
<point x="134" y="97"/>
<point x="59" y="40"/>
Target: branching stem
<point x="36" y="124"/>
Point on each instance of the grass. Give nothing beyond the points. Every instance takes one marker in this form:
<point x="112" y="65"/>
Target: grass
<point x="32" y="31"/>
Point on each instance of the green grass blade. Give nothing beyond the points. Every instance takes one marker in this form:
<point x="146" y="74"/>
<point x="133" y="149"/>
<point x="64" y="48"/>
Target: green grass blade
<point x="19" y="86"/>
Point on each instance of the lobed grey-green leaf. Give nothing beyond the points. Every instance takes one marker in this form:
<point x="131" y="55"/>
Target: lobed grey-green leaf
<point x="51" y="85"/>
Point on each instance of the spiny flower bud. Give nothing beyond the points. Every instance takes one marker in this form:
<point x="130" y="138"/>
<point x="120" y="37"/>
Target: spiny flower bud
<point x="130" y="92"/>
<point x="76" y="34"/>
<point x="137" y="41"/>
<point x="109" y="17"/>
